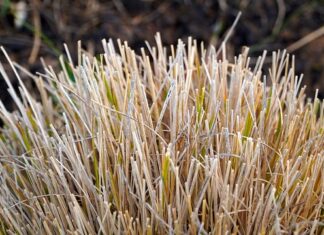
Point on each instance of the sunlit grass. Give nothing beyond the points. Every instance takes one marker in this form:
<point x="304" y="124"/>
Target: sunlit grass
<point x="157" y="142"/>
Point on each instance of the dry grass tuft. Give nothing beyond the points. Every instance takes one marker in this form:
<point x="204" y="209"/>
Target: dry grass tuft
<point x="174" y="143"/>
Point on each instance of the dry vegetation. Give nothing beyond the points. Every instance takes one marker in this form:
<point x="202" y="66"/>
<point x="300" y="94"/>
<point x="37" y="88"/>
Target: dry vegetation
<point x="172" y="141"/>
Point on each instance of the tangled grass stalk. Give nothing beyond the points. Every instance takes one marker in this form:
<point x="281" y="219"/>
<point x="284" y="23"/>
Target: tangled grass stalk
<point x="167" y="141"/>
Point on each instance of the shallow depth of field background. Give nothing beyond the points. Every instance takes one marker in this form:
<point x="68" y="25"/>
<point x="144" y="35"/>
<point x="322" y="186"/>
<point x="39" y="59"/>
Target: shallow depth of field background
<point x="269" y="24"/>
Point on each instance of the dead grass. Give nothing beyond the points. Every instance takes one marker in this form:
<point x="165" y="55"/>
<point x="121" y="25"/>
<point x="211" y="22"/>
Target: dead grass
<point x="174" y="143"/>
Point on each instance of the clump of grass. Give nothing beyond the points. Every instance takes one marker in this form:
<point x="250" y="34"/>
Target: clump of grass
<point x="157" y="143"/>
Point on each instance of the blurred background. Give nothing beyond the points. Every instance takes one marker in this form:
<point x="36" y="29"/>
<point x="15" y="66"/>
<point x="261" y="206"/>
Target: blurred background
<point x="33" y="29"/>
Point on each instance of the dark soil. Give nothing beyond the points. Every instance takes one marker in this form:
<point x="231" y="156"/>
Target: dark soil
<point x="266" y="24"/>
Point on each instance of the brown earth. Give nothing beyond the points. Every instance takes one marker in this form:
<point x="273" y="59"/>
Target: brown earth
<point x="265" y="24"/>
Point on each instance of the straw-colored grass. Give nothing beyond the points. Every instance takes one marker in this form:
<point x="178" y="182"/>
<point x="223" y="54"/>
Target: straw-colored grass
<point x="169" y="141"/>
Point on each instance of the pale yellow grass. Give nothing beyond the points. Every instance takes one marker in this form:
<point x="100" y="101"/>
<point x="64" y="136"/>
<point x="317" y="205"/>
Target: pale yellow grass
<point x="172" y="140"/>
